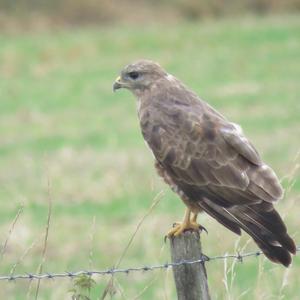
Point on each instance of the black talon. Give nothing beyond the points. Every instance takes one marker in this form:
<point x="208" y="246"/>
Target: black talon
<point x="202" y="228"/>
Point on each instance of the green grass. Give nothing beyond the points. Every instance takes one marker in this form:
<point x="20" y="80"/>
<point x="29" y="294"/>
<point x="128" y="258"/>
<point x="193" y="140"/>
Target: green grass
<point x="60" y="120"/>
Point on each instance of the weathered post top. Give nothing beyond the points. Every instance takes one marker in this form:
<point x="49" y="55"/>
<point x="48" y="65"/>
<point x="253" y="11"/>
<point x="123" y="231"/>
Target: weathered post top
<point x="190" y="279"/>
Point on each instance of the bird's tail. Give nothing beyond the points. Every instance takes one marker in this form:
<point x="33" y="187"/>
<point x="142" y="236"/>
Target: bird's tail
<point x="263" y="223"/>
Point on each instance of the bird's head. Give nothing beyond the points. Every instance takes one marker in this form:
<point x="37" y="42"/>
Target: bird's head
<point x="139" y="76"/>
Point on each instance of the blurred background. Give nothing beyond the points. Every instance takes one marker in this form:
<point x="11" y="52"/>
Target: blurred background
<point x="66" y="139"/>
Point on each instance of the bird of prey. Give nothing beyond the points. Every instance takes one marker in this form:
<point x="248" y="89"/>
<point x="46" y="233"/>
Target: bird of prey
<point x="207" y="160"/>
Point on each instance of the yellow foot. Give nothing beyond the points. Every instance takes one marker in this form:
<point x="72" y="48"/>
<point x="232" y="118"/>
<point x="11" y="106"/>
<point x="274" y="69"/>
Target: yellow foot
<point x="189" y="223"/>
<point x="180" y="227"/>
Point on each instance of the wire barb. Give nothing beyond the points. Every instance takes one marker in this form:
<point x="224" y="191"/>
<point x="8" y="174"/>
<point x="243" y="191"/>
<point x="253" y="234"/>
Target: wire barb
<point x="204" y="258"/>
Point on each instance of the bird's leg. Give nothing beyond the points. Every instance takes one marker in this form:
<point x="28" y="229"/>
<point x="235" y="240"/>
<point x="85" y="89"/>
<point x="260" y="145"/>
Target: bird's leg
<point x="194" y="222"/>
<point x="188" y="223"/>
<point x="194" y="218"/>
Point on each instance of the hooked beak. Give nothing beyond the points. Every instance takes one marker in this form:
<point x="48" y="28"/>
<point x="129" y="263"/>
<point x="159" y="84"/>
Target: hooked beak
<point x="117" y="84"/>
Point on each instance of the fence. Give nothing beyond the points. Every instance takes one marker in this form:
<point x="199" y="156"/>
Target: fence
<point x="182" y="249"/>
<point x="72" y="274"/>
<point x="148" y="268"/>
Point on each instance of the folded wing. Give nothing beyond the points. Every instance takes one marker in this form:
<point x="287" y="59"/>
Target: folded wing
<point x="215" y="165"/>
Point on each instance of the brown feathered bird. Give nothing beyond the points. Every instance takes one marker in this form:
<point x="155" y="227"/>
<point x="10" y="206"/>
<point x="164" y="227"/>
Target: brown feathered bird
<point x="207" y="160"/>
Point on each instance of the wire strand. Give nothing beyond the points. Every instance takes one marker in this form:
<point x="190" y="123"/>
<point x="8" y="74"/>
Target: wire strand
<point x="202" y="259"/>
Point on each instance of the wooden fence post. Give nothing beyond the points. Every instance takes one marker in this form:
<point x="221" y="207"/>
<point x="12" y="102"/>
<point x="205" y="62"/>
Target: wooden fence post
<point x="190" y="279"/>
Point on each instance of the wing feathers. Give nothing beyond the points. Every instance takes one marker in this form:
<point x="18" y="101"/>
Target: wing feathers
<point x="264" y="178"/>
<point x="218" y="214"/>
<point x="216" y="166"/>
<point x="265" y="227"/>
<point x="272" y="222"/>
<point x="234" y="137"/>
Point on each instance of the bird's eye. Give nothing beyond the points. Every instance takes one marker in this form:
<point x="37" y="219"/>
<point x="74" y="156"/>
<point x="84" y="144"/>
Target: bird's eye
<point x="133" y="75"/>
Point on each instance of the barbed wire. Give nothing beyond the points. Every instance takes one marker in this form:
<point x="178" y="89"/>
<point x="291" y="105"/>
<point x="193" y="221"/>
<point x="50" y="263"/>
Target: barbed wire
<point x="204" y="258"/>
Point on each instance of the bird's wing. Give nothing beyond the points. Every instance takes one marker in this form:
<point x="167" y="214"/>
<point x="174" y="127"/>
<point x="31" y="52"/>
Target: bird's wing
<point x="215" y="165"/>
<point x="212" y="155"/>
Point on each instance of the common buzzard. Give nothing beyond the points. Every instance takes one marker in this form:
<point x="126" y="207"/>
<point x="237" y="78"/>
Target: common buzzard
<point x="207" y="160"/>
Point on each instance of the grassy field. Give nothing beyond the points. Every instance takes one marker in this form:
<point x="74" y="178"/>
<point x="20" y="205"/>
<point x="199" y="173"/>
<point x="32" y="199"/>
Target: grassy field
<point x="60" y="121"/>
